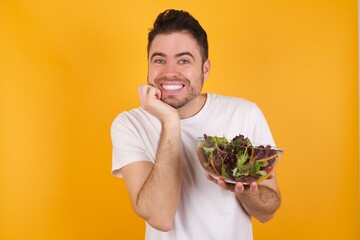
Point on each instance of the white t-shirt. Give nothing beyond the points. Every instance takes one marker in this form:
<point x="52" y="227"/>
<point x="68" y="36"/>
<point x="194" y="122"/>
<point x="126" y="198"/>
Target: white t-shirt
<point x="206" y="211"/>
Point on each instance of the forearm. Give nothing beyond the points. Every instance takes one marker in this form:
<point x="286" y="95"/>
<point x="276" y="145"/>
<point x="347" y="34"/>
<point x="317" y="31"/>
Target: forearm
<point x="261" y="204"/>
<point x="158" y="199"/>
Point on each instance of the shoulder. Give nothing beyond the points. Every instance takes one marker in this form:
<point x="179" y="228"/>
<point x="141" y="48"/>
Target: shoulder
<point x="131" y="122"/>
<point x="231" y="102"/>
<point x="135" y="122"/>
<point x="133" y="113"/>
<point x="131" y="117"/>
<point x="235" y="107"/>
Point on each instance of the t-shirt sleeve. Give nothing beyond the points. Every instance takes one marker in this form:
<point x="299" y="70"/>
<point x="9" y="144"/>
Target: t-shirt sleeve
<point x="261" y="131"/>
<point x="126" y="145"/>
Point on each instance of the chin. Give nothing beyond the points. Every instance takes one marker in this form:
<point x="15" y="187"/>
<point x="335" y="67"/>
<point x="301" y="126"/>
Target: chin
<point x="174" y="102"/>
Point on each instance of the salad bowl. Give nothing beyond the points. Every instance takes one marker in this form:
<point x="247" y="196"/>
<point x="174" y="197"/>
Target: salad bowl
<point x="237" y="160"/>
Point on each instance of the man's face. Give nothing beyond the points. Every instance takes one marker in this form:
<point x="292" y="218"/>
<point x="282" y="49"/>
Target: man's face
<point x="176" y="68"/>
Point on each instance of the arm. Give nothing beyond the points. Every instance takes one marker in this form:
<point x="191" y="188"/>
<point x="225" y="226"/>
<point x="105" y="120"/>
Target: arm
<point x="258" y="200"/>
<point x="155" y="188"/>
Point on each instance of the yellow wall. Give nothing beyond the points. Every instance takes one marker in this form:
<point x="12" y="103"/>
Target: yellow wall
<point x="67" y="68"/>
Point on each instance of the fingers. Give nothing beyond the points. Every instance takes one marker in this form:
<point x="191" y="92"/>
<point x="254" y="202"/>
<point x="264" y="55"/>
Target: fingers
<point x="238" y="188"/>
<point x="221" y="182"/>
<point x="241" y="188"/>
<point x="253" y="187"/>
<point x="224" y="185"/>
<point x="150" y="99"/>
<point x="271" y="176"/>
<point x="148" y="93"/>
<point x="207" y="175"/>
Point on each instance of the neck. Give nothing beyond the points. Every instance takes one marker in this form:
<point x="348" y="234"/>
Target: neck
<point x="193" y="107"/>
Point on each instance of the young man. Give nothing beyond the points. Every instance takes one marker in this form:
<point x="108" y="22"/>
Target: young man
<point x="154" y="146"/>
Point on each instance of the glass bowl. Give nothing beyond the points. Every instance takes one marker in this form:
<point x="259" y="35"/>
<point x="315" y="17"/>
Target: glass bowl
<point x="237" y="160"/>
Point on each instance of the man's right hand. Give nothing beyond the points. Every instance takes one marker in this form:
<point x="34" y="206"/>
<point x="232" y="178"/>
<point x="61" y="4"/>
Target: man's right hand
<point x="150" y="101"/>
<point x="155" y="188"/>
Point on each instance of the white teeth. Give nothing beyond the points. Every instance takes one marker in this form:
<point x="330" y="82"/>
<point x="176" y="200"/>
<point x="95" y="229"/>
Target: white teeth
<point x="172" y="87"/>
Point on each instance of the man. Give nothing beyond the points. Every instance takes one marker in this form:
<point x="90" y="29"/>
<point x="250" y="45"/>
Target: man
<point x="154" y="146"/>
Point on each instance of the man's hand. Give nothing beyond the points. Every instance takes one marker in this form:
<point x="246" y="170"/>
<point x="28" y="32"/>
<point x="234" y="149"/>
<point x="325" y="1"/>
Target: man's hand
<point x="258" y="200"/>
<point x="237" y="188"/>
<point x="150" y="101"/>
<point x="155" y="188"/>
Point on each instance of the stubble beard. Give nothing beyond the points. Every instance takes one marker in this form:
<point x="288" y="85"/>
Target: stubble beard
<point x="192" y="94"/>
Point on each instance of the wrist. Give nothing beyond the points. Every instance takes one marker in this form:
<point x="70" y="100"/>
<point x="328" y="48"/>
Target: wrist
<point x="171" y="121"/>
<point x="171" y="124"/>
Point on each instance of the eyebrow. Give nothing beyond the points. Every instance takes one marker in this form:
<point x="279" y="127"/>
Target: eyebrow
<point x="185" y="53"/>
<point x="176" y="55"/>
<point x="157" y="54"/>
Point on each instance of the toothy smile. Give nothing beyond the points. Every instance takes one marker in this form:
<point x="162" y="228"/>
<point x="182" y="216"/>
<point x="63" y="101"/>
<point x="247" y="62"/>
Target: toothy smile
<point x="172" y="87"/>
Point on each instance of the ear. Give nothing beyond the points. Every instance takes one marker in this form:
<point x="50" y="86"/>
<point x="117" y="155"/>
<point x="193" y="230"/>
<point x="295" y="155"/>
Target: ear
<point x="206" y="69"/>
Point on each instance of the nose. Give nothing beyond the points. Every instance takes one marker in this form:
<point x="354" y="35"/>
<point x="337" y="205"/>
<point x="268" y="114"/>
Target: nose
<point x="171" y="70"/>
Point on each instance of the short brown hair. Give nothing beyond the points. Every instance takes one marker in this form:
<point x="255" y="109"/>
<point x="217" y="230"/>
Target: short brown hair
<point x="172" y="20"/>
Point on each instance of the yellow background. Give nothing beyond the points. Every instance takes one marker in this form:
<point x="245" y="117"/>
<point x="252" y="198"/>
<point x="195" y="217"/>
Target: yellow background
<point x="67" y="68"/>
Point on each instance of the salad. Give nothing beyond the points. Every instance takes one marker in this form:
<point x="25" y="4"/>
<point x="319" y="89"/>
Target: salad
<point x="237" y="160"/>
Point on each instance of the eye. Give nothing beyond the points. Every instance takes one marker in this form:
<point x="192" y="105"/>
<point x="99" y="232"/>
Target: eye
<point x="159" y="61"/>
<point x="184" y="61"/>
